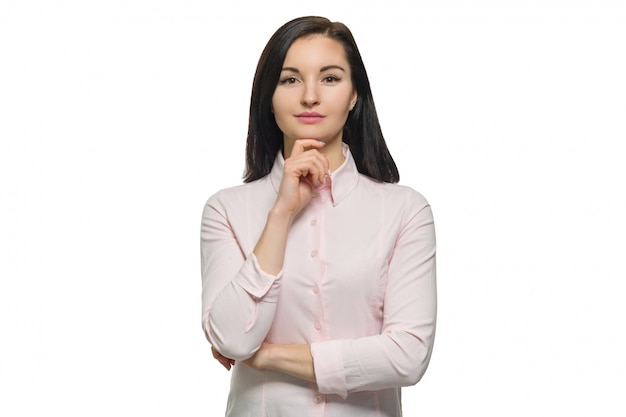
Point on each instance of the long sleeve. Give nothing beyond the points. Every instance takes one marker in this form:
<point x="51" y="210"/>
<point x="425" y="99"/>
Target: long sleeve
<point x="400" y="354"/>
<point x="238" y="297"/>
<point x="357" y="285"/>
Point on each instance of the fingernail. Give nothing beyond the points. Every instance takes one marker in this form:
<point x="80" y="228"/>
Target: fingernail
<point x="321" y="143"/>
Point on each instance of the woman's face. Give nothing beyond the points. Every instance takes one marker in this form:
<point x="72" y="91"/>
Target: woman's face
<point x="314" y="93"/>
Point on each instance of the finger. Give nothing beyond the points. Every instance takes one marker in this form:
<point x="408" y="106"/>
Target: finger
<point x="311" y="164"/>
<point x="300" y="145"/>
<point x="319" y="167"/>
<point x="322" y="165"/>
<point x="226" y="363"/>
<point x="306" y="171"/>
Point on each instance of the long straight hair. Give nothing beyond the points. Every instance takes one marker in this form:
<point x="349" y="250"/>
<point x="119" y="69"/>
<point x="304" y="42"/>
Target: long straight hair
<point x="362" y="130"/>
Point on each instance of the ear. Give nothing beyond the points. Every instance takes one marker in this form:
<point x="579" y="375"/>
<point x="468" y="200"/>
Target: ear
<point x="353" y="100"/>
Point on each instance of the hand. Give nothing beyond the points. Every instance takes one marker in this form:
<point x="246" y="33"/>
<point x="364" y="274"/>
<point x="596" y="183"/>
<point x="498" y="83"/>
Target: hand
<point x="305" y="168"/>
<point x="226" y="362"/>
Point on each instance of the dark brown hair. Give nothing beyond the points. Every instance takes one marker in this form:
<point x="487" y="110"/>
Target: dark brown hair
<point x="362" y="130"/>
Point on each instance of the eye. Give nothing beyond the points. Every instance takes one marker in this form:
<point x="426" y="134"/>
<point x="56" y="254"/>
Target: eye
<point x="288" y="80"/>
<point x="329" y="79"/>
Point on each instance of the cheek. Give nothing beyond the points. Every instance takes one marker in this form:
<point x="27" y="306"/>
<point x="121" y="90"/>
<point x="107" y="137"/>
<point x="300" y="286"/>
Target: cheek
<point x="343" y="99"/>
<point x="280" y="111"/>
<point x="278" y="105"/>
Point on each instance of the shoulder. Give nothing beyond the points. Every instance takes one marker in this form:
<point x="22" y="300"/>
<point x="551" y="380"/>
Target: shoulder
<point x="401" y="196"/>
<point x="240" y="197"/>
<point x="226" y="194"/>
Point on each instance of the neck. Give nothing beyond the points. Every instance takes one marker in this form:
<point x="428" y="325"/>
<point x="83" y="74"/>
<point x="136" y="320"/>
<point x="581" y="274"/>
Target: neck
<point x="332" y="151"/>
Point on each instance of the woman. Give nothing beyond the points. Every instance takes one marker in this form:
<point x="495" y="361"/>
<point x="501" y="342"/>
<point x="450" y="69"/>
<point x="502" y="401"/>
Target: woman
<point x="319" y="273"/>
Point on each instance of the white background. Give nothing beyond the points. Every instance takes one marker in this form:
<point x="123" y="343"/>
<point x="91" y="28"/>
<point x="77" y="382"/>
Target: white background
<point x="118" y="119"/>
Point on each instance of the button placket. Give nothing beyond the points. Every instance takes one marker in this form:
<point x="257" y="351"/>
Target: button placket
<point x="315" y="223"/>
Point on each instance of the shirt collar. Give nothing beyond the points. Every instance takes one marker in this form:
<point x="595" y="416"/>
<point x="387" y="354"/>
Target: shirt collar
<point x="342" y="181"/>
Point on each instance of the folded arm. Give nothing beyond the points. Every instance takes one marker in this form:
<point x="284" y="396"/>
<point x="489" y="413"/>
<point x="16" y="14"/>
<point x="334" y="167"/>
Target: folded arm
<point x="399" y="355"/>
<point x="238" y="295"/>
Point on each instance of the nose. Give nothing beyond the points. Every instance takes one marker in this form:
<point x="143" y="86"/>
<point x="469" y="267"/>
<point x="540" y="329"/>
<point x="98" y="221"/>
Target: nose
<point x="310" y="95"/>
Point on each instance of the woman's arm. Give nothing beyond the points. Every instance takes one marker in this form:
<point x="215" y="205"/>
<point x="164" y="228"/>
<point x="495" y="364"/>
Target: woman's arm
<point x="238" y="297"/>
<point x="239" y="294"/>
<point x="302" y="170"/>
<point x="295" y="360"/>
<point x="398" y="356"/>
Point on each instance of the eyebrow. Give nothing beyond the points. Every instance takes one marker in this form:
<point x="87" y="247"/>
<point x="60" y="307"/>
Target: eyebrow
<point x="325" y="68"/>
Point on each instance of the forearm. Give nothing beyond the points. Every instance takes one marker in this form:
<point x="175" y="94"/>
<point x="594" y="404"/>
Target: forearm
<point x="294" y="360"/>
<point x="238" y="295"/>
<point x="270" y="248"/>
<point x="237" y="322"/>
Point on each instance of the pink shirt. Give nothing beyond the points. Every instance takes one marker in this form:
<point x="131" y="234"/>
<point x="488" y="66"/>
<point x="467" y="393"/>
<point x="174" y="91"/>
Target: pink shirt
<point x="358" y="284"/>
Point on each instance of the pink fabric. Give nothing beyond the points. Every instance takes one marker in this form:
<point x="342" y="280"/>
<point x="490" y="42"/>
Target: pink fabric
<point x="358" y="284"/>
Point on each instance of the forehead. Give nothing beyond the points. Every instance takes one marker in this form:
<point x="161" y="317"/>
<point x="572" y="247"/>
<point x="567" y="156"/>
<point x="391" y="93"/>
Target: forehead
<point x="315" y="50"/>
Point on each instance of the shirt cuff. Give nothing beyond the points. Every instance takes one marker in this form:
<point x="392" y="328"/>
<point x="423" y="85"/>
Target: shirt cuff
<point x="257" y="282"/>
<point x="329" y="367"/>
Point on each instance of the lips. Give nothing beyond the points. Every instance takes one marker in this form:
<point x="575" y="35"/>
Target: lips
<point x="310" y="117"/>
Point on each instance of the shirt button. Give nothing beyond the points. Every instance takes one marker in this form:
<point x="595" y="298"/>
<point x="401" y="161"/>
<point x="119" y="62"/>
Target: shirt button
<point x="317" y="325"/>
<point x="317" y="399"/>
<point x="313" y="253"/>
<point x="313" y="223"/>
<point x="316" y="289"/>
<point x="314" y="194"/>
